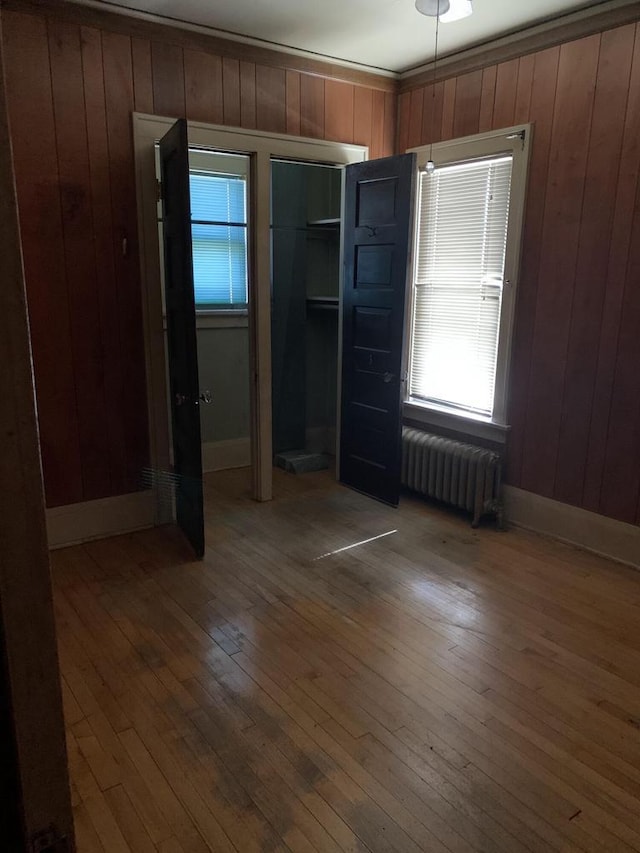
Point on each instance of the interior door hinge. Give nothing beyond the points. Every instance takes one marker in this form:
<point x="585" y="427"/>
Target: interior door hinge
<point x="158" y="191"/>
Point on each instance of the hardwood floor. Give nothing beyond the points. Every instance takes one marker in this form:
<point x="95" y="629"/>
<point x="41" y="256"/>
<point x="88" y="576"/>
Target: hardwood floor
<point x="340" y="676"/>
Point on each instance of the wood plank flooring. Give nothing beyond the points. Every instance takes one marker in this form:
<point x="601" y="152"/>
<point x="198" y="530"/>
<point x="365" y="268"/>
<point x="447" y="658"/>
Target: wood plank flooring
<point x="339" y="676"/>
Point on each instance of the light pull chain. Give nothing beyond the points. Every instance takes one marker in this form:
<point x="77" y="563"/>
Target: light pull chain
<point x="431" y="166"/>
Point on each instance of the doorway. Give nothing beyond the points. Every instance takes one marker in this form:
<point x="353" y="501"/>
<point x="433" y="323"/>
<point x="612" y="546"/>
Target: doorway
<point x="203" y="225"/>
<point x="305" y="244"/>
<point x="219" y="189"/>
<point x="261" y="149"/>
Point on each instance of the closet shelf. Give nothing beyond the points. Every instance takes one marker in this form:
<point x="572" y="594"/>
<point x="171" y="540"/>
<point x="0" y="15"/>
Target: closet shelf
<point x="324" y="223"/>
<point x="324" y="303"/>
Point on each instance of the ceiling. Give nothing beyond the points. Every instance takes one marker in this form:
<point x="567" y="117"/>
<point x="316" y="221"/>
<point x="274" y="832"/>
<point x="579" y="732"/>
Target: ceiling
<point x="387" y="35"/>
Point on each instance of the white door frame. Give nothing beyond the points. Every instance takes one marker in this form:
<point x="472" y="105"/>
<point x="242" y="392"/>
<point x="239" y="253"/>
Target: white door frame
<point x="261" y="147"/>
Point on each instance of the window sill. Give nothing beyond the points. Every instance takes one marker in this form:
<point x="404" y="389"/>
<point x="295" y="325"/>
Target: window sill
<point x="465" y="424"/>
<point x="226" y="319"/>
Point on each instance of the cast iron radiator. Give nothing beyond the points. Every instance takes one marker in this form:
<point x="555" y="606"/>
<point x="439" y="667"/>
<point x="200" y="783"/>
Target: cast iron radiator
<point x="451" y="471"/>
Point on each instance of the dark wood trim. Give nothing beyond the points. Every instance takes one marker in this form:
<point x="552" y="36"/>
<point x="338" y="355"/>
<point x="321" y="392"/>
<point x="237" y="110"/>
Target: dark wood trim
<point x="530" y="40"/>
<point x="32" y="701"/>
<point x="191" y="39"/>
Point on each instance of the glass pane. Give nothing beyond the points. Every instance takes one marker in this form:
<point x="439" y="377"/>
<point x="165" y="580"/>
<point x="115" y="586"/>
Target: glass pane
<point x="217" y="198"/>
<point x="220" y="264"/>
<point x="462" y="228"/>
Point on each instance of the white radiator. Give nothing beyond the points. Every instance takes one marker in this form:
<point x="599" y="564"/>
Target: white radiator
<point x="451" y="471"/>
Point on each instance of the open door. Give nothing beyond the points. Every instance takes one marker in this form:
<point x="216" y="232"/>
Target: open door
<point x="181" y="334"/>
<point x="379" y="204"/>
<point x="35" y="800"/>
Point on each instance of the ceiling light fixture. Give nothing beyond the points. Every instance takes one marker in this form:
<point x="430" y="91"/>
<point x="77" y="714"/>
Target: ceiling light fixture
<point x="433" y="8"/>
<point x="458" y="9"/>
<point x="444" y="11"/>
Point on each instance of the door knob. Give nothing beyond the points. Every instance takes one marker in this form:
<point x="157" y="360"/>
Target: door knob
<point x="206" y="396"/>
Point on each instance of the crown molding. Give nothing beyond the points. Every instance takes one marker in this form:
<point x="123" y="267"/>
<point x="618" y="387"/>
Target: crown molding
<point x="585" y="22"/>
<point x="114" y="18"/>
<point x="603" y="16"/>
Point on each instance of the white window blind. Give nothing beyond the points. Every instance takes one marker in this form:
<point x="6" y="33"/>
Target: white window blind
<point x="219" y="236"/>
<point x="463" y="212"/>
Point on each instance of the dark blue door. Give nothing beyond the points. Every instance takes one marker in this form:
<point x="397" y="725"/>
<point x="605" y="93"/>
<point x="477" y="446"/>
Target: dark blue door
<point x="181" y="334"/>
<point x="379" y="203"/>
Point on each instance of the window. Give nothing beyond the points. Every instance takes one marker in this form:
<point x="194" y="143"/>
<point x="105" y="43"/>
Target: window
<point x="469" y="213"/>
<point x="218" y="190"/>
<point x="462" y="226"/>
<point x="219" y="238"/>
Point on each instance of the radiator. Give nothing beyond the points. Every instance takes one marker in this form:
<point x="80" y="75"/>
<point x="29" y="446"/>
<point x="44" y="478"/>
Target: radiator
<point x="451" y="471"/>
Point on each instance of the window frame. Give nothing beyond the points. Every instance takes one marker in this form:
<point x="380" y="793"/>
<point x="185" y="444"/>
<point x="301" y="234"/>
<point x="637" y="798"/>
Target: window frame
<point x="211" y="315"/>
<point x="220" y="308"/>
<point x="516" y="141"/>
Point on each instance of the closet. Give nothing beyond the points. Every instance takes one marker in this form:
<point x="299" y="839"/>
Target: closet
<point x="305" y="275"/>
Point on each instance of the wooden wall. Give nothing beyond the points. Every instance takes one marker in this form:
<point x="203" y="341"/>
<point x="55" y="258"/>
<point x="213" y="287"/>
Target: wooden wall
<point x="575" y="383"/>
<point x="74" y="76"/>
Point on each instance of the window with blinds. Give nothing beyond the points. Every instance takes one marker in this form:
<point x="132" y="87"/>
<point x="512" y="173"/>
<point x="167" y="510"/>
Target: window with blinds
<point x="219" y="236"/>
<point x="463" y="213"/>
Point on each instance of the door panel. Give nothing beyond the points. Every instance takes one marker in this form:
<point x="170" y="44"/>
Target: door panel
<point x="377" y="236"/>
<point x="181" y="334"/>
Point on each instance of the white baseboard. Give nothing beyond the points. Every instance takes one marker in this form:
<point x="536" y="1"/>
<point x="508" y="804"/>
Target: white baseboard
<point x="220" y="455"/>
<point x="591" y="531"/>
<point x="69" y="525"/>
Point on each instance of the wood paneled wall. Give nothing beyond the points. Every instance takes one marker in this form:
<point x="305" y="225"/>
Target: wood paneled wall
<point x="74" y="80"/>
<point x="72" y="87"/>
<point x="575" y="381"/>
